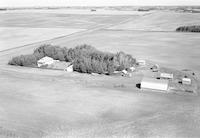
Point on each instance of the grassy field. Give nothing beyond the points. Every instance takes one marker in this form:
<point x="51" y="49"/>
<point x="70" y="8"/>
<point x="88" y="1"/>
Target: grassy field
<point x="58" y="20"/>
<point x="38" y="103"/>
<point x="161" y="21"/>
<point x="49" y="104"/>
<point x="19" y="28"/>
<point x="19" y="36"/>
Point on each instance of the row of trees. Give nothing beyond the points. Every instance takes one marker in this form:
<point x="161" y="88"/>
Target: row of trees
<point x="85" y="58"/>
<point x="188" y="29"/>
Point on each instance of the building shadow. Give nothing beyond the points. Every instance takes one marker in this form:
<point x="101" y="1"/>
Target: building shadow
<point x="138" y="85"/>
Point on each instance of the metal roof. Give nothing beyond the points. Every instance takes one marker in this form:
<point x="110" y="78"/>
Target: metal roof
<point x="155" y="84"/>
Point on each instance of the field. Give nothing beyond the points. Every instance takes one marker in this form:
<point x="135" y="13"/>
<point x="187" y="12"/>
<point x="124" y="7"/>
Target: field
<point x="19" y="36"/>
<point x="38" y="103"/>
<point x="161" y="21"/>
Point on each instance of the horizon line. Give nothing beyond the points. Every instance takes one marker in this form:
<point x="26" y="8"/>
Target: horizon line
<point x="99" y="6"/>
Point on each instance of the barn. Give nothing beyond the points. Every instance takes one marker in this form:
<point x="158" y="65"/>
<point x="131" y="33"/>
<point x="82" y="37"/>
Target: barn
<point x="154" y="84"/>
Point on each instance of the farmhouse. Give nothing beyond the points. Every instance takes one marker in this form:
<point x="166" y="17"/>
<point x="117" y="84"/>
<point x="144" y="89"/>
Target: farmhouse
<point x="186" y="81"/>
<point x="60" y="65"/>
<point x="166" y="76"/>
<point x="154" y="84"/>
<point x="45" y="61"/>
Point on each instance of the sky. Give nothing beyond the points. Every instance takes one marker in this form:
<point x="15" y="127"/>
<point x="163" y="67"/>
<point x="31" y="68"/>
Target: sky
<point x="30" y="3"/>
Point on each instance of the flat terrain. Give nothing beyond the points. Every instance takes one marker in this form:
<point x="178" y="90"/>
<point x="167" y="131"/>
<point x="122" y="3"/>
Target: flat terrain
<point x="24" y="27"/>
<point x="58" y="20"/>
<point x="161" y="21"/>
<point x="38" y="103"/>
<point x="19" y="36"/>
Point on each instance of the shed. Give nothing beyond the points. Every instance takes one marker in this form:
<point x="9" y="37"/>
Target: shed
<point x="45" y="61"/>
<point x="166" y="76"/>
<point x="132" y="69"/>
<point x="69" y="68"/>
<point x="155" y="68"/>
<point x="141" y="62"/>
<point x="154" y="84"/>
<point x="124" y="71"/>
<point x="186" y="81"/>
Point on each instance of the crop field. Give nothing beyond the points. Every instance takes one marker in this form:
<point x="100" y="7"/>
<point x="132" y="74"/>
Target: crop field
<point x="22" y="28"/>
<point x="58" y="20"/>
<point x="19" y="36"/>
<point x="39" y="103"/>
<point x="161" y="21"/>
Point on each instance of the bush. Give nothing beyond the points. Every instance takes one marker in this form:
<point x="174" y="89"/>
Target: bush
<point x="24" y="60"/>
<point x="188" y="29"/>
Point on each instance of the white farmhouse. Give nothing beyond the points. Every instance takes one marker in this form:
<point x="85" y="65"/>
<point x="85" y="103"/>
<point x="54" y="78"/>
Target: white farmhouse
<point x="154" y="84"/>
<point x="45" y="61"/>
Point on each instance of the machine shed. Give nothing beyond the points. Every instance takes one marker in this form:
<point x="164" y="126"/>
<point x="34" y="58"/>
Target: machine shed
<point x="154" y="84"/>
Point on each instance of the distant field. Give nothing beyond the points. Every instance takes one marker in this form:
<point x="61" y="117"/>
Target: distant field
<point x="18" y="36"/>
<point x="79" y="11"/>
<point x="19" y="28"/>
<point x="57" y="20"/>
<point x="161" y="21"/>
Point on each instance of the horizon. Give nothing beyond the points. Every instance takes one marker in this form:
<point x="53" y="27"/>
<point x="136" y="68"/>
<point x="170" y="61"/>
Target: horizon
<point x="95" y="3"/>
<point x="100" y="6"/>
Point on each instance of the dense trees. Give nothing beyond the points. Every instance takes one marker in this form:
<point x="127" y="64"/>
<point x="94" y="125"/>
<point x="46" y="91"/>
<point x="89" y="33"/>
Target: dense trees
<point x="188" y="29"/>
<point x="24" y="60"/>
<point x="85" y="58"/>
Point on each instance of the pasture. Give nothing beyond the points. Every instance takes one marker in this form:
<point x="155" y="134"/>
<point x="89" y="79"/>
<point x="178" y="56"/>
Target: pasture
<point x="38" y="103"/>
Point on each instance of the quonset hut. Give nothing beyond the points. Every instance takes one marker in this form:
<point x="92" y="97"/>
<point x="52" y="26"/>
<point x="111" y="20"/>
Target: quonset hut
<point x="154" y="84"/>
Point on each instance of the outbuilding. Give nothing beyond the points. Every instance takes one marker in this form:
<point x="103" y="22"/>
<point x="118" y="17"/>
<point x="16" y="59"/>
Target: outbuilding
<point x="132" y="69"/>
<point x="141" y="62"/>
<point x="186" y="81"/>
<point x="166" y="76"/>
<point x="45" y="61"/>
<point x="154" y="84"/>
<point x="155" y="68"/>
<point x="124" y="71"/>
<point x="69" y="68"/>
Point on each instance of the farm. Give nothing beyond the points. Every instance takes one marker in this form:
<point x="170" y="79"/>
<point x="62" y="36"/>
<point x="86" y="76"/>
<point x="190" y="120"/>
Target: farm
<point x="46" y="103"/>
